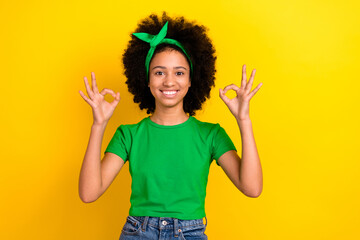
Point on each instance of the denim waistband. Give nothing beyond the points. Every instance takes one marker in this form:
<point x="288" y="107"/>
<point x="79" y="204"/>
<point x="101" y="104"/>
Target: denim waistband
<point x="168" y="222"/>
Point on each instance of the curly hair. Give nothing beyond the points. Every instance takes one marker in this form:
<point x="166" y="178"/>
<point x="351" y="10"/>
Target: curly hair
<point x="198" y="46"/>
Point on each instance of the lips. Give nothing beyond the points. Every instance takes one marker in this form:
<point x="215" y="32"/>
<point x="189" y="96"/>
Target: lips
<point x="169" y="93"/>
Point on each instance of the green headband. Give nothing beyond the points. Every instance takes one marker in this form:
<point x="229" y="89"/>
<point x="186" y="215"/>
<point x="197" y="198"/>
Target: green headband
<point x="154" y="41"/>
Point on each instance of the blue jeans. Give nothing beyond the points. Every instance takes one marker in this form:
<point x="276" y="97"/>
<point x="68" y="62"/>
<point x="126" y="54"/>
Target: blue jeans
<point x="163" y="228"/>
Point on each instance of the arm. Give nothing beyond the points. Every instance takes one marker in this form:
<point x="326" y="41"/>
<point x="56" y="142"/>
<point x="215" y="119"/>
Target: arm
<point x="90" y="175"/>
<point x="95" y="175"/>
<point x="245" y="172"/>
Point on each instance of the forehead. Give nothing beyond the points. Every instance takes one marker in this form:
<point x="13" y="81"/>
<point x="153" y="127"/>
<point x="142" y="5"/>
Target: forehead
<point x="169" y="57"/>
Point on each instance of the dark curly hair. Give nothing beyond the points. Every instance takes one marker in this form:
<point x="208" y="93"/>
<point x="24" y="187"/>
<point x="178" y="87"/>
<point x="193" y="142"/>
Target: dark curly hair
<point x="198" y="46"/>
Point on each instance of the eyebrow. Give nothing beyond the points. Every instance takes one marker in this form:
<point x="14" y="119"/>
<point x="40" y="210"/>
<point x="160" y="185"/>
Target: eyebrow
<point x="162" y="67"/>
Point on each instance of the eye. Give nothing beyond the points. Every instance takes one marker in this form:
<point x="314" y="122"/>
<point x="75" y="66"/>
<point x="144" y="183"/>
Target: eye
<point x="180" y="73"/>
<point x="159" y="73"/>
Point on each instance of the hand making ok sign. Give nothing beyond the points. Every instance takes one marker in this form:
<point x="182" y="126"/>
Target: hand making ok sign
<point x="239" y="105"/>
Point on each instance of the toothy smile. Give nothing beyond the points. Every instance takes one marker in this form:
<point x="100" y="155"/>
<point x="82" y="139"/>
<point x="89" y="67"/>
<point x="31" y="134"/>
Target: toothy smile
<point x="170" y="93"/>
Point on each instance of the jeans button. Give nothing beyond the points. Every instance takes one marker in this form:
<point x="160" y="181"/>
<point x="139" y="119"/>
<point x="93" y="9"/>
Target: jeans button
<point x="164" y="222"/>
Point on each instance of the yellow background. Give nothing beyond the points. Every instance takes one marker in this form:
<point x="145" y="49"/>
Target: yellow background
<point x="305" y="116"/>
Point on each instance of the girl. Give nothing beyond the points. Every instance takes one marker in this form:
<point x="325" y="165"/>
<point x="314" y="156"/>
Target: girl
<point x="170" y="67"/>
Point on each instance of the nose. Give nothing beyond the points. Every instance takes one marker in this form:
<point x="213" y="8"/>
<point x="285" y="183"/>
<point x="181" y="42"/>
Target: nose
<point x="169" y="81"/>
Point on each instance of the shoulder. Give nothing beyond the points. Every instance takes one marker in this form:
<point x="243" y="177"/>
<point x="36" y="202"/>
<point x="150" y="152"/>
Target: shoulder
<point x="130" y="128"/>
<point x="206" y="127"/>
<point x="205" y="124"/>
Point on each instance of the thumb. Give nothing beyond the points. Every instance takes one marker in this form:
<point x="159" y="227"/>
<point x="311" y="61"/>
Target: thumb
<point x="116" y="99"/>
<point x="223" y="96"/>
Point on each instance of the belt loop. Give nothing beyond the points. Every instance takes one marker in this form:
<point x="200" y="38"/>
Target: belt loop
<point x="206" y="221"/>
<point x="176" y="227"/>
<point x="143" y="227"/>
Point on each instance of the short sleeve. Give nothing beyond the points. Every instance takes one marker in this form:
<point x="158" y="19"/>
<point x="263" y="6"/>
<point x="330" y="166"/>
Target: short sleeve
<point x="221" y="143"/>
<point x="120" y="143"/>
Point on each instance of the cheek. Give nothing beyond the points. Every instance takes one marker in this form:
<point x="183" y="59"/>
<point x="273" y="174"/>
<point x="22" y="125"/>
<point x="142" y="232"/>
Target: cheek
<point x="187" y="90"/>
<point x="151" y="89"/>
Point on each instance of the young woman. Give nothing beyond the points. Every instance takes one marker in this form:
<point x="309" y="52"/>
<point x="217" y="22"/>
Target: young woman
<point x="170" y="67"/>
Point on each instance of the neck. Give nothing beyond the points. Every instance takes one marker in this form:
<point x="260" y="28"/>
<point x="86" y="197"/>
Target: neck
<point x="169" y="116"/>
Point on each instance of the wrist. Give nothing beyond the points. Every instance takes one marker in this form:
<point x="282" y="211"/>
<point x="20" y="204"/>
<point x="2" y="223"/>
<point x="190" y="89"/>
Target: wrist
<point x="99" y="125"/>
<point x="244" y="122"/>
<point x="246" y="119"/>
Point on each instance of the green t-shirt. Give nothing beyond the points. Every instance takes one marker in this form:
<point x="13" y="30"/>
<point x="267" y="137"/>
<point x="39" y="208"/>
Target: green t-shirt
<point x="169" y="165"/>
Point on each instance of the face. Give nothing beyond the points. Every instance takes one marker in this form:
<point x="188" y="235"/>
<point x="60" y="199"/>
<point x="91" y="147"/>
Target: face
<point x="169" y="79"/>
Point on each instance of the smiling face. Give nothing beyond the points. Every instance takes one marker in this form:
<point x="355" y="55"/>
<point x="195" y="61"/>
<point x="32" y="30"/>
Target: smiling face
<point x="169" y="78"/>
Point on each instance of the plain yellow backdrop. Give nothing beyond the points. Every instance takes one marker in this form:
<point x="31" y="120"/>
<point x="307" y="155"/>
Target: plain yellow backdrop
<point x="305" y="116"/>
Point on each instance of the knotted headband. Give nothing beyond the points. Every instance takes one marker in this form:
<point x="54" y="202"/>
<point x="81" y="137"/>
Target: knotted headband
<point x="154" y="41"/>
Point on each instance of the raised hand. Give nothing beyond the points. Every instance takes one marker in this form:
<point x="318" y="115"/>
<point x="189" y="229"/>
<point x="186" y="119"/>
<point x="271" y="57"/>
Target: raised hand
<point x="102" y="110"/>
<point x="239" y="105"/>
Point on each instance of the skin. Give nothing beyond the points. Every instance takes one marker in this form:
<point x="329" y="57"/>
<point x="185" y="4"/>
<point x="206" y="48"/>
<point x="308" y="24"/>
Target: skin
<point x="169" y="70"/>
<point x="245" y="172"/>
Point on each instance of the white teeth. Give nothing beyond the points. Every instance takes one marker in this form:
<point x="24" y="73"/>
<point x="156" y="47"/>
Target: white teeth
<point x="169" y="92"/>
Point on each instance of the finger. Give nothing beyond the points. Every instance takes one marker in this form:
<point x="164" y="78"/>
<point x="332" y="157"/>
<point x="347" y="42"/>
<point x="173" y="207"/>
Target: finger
<point x="243" y="80"/>
<point x="116" y="100"/>
<point x="95" y="88"/>
<point x="231" y="86"/>
<point x="107" y="91"/>
<point x="255" y="90"/>
<point x="223" y="96"/>
<point x="88" y="89"/>
<point x="116" y="96"/>
<point x="86" y="99"/>
<point x="249" y="84"/>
